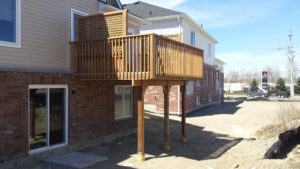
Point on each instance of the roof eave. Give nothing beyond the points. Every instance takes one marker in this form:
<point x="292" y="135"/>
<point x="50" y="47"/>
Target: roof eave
<point x="159" y="18"/>
<point x="200" y="28"/>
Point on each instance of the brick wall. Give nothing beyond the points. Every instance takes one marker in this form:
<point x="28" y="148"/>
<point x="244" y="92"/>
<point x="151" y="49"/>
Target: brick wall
<point x="91" y="110"/>
<point x="154" y="94"/>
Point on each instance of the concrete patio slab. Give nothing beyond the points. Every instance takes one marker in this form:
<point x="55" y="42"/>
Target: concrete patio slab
<point x="76" y="160"/>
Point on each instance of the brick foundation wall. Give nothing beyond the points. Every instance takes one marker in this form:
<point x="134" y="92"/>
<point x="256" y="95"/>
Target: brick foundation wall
<point x="91" y="110"/>
<point x="154" y="94"/>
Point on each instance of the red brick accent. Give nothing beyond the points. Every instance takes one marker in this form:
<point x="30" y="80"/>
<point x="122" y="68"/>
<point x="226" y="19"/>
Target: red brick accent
<point x="154" y="94"/>
<point x="91" y="110"/>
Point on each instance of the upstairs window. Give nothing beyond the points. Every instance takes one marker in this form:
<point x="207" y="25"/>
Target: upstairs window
<point x="10" y="23"/>
<point x="209" y="50"/>
<point x="193" y="38"/>
<point x="75" y="14"/>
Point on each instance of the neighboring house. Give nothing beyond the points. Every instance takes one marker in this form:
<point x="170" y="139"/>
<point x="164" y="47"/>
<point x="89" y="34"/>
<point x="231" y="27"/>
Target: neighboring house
<point x="179" y="26"/>
<point x="70" y="76"/>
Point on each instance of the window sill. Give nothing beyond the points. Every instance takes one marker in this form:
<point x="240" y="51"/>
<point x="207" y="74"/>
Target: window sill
<point x="10" y="44"/>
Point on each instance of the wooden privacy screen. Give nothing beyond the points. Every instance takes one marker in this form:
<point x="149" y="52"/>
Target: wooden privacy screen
<point x="101" y="26"/>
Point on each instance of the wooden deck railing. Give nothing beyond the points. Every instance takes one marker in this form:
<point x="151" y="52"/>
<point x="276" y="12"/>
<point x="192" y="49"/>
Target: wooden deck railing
<point x="137" y="57"/>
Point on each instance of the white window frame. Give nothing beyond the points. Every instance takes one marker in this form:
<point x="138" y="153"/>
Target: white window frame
<point x="131" y="106"/>
<point x="75" y="11"/>
<point x="16" y="44"/>
<point x="48" y="147"/>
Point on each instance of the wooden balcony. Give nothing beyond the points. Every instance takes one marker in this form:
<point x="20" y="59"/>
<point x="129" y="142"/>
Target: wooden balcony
<point x="137" y="57"/>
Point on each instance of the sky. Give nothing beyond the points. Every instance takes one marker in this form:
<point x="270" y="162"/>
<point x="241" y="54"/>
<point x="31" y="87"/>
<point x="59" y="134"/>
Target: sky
<point x="252" y="34"/>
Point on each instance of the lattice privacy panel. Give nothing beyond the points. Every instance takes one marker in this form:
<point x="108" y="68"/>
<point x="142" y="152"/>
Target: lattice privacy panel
<point x="110" y="24"/>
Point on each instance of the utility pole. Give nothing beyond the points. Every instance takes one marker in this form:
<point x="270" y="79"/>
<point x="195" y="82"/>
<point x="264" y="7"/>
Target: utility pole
<point x="291" y="59"/>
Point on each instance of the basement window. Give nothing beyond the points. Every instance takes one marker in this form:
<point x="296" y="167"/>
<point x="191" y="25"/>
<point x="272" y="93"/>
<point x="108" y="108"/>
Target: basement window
<point x="123" y="102"/>
<point x="198" y="101"/>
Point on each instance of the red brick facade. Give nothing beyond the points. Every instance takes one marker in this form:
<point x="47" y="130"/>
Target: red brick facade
<point x="207" y="88"/>
<point x="91" y="110"/>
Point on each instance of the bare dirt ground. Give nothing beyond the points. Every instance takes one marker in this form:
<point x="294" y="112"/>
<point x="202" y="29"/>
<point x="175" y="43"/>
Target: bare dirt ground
<point x="219" y="137"/>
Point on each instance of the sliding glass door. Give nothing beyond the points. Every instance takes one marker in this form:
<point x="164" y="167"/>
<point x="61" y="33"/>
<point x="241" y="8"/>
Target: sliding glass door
<point x="48" y="116"/>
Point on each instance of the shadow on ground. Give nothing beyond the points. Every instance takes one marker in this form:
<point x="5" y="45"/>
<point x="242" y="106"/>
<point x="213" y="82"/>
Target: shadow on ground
<point x="228" y="107"/>
<point x="201" y="144"/>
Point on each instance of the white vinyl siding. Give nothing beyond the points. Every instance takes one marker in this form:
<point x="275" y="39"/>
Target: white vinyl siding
<point x="45" y="34"/>
<point x="209" y="50"/>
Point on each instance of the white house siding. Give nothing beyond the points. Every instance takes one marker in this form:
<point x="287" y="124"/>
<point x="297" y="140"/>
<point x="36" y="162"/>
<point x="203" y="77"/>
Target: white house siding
<point x="172" y="26"/>
<point x="161" y="27"/>
<point x="200" y="42"/>
<point x="45" y="36"/>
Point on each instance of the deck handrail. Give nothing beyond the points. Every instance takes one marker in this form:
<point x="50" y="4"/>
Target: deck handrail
<point x="136" y="57"/>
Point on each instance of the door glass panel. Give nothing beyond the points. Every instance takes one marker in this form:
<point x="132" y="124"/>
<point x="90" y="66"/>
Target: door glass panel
<point x="127" y="101"/>
<point x="57" y="116"/>
<point x="38" y="118"/>
<point x="118" y="102"/>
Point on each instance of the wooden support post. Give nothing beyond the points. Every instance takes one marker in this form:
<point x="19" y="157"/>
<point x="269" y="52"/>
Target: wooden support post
<point x="166" y="90"/>
<point x="183" y="114"/>
<point x="140" y="121"/>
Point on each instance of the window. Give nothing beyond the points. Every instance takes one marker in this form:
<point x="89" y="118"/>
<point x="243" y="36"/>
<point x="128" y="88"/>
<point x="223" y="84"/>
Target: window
<point x="217" y="76"/>
<point x="123" y="102"/>
<point x="209" y="50"/>
<point x="206" y="78"/>
<point x="198" y="83"/>
<point x="209" y="98"/>
<point x="75" y="14"/>
<point x="212" y="77"/>
<point x="10" y="23"/>
<point x="193" y="38"/>
<point x="130" y="31"/>
<point x="190" y="88"/>
<point x="198" y="101"/>
<point x="48" y="116"/>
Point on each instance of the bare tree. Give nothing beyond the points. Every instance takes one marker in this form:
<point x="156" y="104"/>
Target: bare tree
<point x="273" y="74"/>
